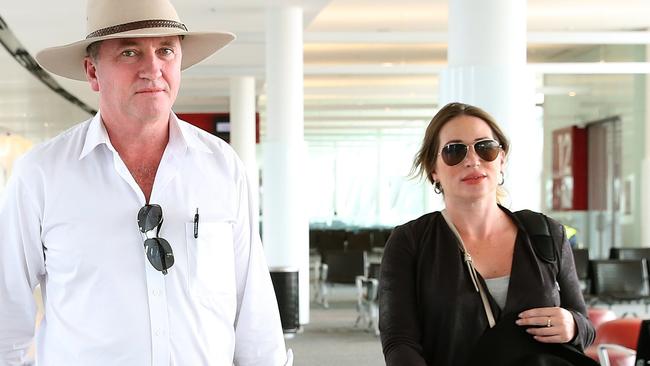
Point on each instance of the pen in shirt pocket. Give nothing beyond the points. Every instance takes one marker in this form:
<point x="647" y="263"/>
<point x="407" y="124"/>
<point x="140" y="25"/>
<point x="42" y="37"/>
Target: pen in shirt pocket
<point x="196" y="223"/>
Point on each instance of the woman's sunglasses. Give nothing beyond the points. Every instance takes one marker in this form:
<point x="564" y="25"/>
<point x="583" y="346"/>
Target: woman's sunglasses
<point x="158" y="250"/>
<point x="454" y="153"/>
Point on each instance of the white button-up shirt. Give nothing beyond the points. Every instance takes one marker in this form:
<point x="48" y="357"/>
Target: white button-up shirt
<point x="68" y="221"/>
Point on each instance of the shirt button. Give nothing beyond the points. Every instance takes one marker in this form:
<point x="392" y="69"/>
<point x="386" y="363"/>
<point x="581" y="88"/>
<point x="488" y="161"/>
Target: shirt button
<point x="156" y="292"/>
<point x="158" y="333"/>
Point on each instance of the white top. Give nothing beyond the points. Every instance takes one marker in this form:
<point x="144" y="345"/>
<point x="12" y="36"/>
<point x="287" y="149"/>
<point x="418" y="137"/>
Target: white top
<point x="69" y="222"/>
<point x="498" y="288"/>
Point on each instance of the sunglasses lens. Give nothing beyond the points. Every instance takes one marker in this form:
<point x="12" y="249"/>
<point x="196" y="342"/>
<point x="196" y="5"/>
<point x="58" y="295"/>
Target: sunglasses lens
<point x="159" y="253"/>
<point x="149" y="217"/>
<point x="487" y="150"/>
<point x="453" y="154"/>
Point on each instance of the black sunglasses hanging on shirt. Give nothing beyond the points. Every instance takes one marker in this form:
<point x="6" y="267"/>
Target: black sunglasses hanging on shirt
<point x="159" y="252"/>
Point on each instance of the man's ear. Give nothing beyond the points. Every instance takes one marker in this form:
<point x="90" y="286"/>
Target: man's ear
<point x="91" y="73"/>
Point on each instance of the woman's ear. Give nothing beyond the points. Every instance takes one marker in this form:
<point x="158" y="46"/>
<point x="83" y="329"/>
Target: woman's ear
<point x="502" y="160"/>
<point x="433" y="176"/>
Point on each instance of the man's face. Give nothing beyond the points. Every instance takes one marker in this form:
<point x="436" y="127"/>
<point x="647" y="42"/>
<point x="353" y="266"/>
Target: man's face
<point x="137" y="78"/>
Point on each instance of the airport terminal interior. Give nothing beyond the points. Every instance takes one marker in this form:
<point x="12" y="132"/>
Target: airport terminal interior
<point x="368" y="77"/>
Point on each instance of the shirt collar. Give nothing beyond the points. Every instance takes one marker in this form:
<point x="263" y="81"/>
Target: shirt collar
<point x="96" y="135"/>
<point x="181" y="136"/>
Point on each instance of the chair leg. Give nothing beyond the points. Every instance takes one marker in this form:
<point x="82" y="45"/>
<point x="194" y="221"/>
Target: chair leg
<point x="362" y="313"/>
<point x="324" y="293"/>
<point x="316" y="290"/>
<point x="374" y="317"/>
<point x="323" y="286"/>
<point x="318" y="296"/>
<point x="359" y="313"/>
<point x="321" y="294"/>
<point x="358" y="282"/>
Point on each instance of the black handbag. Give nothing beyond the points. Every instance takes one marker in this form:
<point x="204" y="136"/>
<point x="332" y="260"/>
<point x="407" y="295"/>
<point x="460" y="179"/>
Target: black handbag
<point x="508" y="344"/>
<point x="643" y="345"/>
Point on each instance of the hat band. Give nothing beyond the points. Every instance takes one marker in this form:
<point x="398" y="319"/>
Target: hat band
<point x="142" y="24"/>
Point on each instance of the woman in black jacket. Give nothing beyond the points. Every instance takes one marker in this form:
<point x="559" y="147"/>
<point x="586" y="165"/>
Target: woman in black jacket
<point x="436" y="269"/>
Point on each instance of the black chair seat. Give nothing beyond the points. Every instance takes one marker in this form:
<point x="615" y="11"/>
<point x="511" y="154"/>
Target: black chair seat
<point x="581" y="260"/>
<point x="617" y="280"/>
<point x="629" y="253"/>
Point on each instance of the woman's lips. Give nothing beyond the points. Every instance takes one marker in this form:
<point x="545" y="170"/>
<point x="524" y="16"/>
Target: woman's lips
<point x="474" y="178"/>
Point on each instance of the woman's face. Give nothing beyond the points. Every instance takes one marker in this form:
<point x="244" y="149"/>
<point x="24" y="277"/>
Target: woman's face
<point x="473" y="178"/>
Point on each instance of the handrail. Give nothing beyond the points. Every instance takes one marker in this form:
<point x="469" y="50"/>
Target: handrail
<point x="19" y="53"/>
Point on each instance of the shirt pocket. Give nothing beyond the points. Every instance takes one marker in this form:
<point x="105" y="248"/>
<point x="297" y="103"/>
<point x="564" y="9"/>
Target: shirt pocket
<point x="211" y="264"/>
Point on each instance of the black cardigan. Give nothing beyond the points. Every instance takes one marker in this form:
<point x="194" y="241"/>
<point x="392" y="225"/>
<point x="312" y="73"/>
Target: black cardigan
<point x="430" y="313"/>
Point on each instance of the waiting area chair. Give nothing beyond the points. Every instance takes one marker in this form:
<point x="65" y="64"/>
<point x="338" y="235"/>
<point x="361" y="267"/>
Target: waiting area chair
<point x="359" y="240"/>
<point x="616" y="342"/>
<point x="367" y="294"/>
<point x="581" y="260"/>
<point x="598" y="316"/>
<point x="630" y="253"/>
<point x="380" y="237"/>
<point x="330" y="240"/>
<point x="619" y="281"/>
<point x="339" y="267"/>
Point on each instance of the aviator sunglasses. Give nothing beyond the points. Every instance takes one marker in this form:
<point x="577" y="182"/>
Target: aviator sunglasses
<point x="158" y="250"/>
<point x="455" y="152"/>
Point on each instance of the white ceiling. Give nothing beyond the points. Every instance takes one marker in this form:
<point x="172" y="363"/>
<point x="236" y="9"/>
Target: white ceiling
<point x="369" y="64"/>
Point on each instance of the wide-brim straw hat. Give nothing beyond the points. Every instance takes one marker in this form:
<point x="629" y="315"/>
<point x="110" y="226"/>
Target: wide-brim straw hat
<point x="111" y="19"/>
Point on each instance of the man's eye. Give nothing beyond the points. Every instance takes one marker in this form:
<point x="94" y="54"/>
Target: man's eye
<point x="167" y="51"/>
<point x="128" y="53"/>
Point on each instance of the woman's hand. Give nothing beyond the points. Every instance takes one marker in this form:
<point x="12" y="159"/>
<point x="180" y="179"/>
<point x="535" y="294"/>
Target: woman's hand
<point x="548" y="325"/>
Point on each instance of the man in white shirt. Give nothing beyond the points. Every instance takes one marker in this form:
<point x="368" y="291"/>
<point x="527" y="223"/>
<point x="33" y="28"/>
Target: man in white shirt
<point x="83" y="217"/>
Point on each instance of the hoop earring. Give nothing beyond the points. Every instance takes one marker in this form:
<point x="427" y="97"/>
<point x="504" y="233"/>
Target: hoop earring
<point x="503" y="178"/>
<point x="436" y="187"/>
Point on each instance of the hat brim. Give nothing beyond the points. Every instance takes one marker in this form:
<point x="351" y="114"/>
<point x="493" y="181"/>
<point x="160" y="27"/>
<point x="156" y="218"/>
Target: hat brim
<point x="67" y="60"/>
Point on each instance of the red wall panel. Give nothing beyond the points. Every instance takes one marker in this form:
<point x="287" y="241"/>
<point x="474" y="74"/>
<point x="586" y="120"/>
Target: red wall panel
<point x="217" y="123"/>
<point x="570" y="169"/>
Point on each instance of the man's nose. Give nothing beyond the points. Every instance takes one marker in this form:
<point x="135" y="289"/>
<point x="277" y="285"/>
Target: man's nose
<point x="151" y="66"/>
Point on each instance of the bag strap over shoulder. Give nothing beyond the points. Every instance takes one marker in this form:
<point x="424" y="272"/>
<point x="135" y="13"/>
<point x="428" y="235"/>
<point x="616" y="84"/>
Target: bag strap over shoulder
<point x="472" y="271"/>
<point x="538" y="229"/>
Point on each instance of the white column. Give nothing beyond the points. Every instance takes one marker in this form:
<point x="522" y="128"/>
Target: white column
<point x="242" y="131"/>
<point x="487" y="68"/>
<point x="645" y="168"/>
<point x="285" y="222"/>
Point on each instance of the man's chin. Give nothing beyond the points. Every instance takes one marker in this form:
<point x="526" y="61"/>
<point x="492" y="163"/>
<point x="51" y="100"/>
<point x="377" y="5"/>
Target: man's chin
<point x="152" y="115"/>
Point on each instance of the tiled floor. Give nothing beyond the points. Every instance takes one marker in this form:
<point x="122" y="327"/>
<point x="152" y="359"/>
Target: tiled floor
<point x="330" y="339"/>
